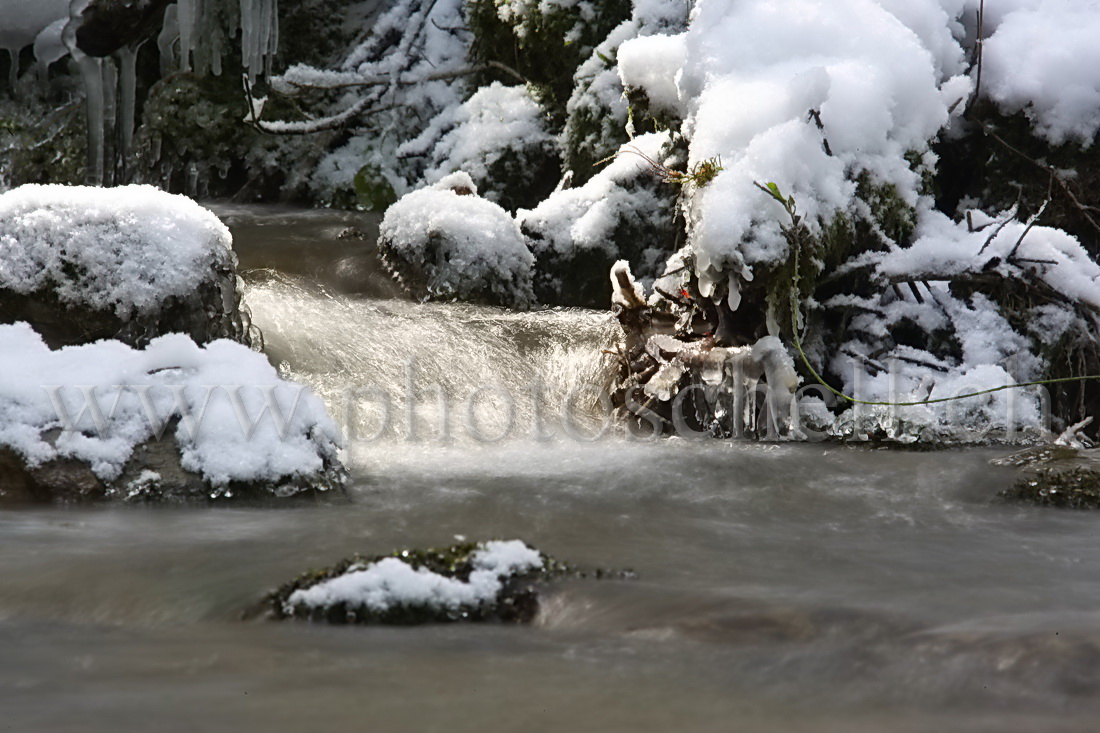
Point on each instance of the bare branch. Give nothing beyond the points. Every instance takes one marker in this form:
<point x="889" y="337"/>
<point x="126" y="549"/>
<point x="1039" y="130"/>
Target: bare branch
<point x="1031" y="222"/>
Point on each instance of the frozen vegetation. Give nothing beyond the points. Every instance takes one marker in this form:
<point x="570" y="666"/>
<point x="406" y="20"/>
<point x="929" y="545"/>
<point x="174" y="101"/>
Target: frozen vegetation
<point x="904" y="191"/>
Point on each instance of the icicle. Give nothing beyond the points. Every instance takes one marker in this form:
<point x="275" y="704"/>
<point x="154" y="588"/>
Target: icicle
<point x="216" y="54"/>
<point x="169" y="35"/>
<point x="127" y="103"/>
<point x="110" y="118"/>
<point x="13" y="72"/>
<point x="91" y="71"/>
<point x="259" y="35"/>
<point x="192" y="186"/>
<point x="186" y="19"/>
<point x="49" y="47"/>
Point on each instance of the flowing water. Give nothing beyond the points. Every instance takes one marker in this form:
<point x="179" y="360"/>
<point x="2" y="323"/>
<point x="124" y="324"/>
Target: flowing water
<point x="806" y="587"/>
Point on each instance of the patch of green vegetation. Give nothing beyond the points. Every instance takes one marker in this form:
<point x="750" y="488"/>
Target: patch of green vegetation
<point x="193" y="137"/>
<point x="372" y="190"/>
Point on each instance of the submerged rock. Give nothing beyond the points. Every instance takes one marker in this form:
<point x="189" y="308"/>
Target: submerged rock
<point x="129" y="263"/>
<point x="472" y="581"/>
<point x="1078" y="488"/>
<point x="1056" y="474"/>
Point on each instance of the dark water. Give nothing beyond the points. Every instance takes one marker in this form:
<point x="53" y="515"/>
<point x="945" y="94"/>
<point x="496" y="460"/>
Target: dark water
<point x="779" y="587"/>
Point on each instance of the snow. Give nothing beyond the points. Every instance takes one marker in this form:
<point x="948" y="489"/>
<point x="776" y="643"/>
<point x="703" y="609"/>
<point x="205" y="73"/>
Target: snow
<point x="124" y="248"/>
<point x="1043" y="59"/>
<point x="427" y="48"/>
<point x="496" y="122"/>
<point x="745" y="76"/>
<point x="945" y="248"/>
<point x="585" y="217"/>
<point x="238" y="421"/>
<point x="392" y="583"/>
<point x="462" y="244"/>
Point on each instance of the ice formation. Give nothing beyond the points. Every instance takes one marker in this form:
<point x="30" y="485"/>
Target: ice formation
<point x="392" y="583"/>
<point x="23" y="21"/>
<point x="123" y="249"/>
<point x="237" y="420"/>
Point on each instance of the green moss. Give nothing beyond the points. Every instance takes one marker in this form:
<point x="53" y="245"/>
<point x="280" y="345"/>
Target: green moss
<point x="193" y="138"/>
<point x="1075" y="489"/>
<point x="373" y="191"/>
<point x="51" y="149"/>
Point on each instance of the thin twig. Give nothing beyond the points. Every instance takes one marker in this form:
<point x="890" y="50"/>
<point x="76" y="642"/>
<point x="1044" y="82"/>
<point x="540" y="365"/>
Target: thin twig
<point x="1011" y="217"/>
<point x="1049" y="169"/>
<point x="1031" y="221"/>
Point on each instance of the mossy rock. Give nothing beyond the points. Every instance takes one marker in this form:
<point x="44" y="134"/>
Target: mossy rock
<point x="516" y="601"/>
<point x="193" y="138"/>
<point x="372" y="190"/>
<point x="52" y="149"/>
<point x="152" y="475"/>
<point x="1078" y="488"/>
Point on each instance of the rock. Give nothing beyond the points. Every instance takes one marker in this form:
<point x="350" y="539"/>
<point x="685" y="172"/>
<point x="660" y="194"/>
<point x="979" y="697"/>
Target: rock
<point x="1055" y="475"/>
<point x="447" y="243"/>
<point x="172" y="422"/>
<point x="471" y="581"/>
<point x="1077" y="488"/>
<point x="128" y="263"/>
<point x="108" y="25"/>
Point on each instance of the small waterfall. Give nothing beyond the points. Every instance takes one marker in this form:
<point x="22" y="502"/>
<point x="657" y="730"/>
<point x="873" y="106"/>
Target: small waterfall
<point x="397" y="371"/>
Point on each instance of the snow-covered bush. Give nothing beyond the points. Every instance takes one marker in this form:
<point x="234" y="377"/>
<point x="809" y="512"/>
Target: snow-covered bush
<point x="544" y="41"/>
<point x="499" y="137"/>
<point x="624" y="212"/>
<point x="233" y="421"/>
<point x="131" y="262"/>
<point x="446" y="242"/>
<point x="597" y="113"/>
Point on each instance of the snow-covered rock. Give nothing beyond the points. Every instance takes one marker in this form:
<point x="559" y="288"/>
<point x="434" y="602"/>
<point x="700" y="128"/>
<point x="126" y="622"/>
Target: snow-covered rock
<point x="483" y="581"/>
<point x="132" y="263"/>
<point x="446" y="242"/>
<point x="217" y="419"/>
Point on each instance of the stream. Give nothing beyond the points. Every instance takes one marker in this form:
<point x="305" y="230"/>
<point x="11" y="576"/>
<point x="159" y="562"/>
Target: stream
<point x="779" y="587"/>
